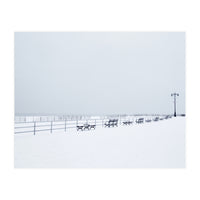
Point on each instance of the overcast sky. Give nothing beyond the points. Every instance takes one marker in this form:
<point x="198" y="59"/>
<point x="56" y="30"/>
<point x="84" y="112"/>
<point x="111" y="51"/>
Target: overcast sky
<point x="99" y="72"/>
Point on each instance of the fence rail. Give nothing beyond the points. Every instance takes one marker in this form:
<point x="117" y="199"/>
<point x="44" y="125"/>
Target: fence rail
<point x="39" y="126"/>
<point x="34" y="127"/>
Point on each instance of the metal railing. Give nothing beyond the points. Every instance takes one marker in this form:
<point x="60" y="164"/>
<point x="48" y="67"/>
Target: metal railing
<point x="33" y="127"/>
<point x="39" y="126"/>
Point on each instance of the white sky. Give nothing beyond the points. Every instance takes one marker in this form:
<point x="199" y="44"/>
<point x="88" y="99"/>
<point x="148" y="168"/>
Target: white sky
<point x="99" y="72"/>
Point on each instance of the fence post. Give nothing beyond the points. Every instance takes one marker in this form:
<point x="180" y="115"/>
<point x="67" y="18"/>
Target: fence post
<point x="34" y="127"/>
<point x="51" y="125"/>
<point x="65" y="125"/>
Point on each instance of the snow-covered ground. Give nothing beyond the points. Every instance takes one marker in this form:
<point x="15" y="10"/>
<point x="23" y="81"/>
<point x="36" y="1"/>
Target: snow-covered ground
<point x="150" y="145"/>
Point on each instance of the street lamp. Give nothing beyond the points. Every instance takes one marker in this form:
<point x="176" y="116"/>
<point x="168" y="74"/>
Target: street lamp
<point x="175" y="95"/>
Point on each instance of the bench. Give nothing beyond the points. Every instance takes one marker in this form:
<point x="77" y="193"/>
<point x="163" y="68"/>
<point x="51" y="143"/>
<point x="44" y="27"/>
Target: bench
<point x="166" y="117"/>
<point x="92" y="126"/>
<point x="156" y="119"/>
<point x="140" y="120"/>
<point x="111" y="123"/>
<point x="127" y="123"/>
<point x="85" y="127"/>
<point x="79" y="128"/>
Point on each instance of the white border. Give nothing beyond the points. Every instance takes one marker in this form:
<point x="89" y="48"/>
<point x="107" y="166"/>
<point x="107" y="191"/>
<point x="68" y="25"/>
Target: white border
<point x="105" y="15"/>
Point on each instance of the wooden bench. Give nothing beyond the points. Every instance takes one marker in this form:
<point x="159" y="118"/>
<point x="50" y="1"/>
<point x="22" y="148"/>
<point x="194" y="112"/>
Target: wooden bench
<point x="92" y="126"/>
<point x="167" y="117"/>
<point x="111" y="123"/>
<point x="156" y="119"/>
<point x="79" y="128"/>
<point x="140" y="120"/>
<point x="127" y="123"/>
<point x="85" y="127"/>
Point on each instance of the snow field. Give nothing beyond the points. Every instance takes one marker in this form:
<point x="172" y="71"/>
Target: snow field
<point x="150" y="145"/>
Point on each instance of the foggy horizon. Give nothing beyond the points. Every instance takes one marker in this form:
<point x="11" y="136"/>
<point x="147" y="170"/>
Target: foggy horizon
<point x="99" y="73"/>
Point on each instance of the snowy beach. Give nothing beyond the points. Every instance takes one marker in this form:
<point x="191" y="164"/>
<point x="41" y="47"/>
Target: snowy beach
<point x="150" y="145"/>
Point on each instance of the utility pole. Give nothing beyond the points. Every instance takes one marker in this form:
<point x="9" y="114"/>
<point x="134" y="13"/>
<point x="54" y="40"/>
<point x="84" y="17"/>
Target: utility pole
<point x="175" y="95"/>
